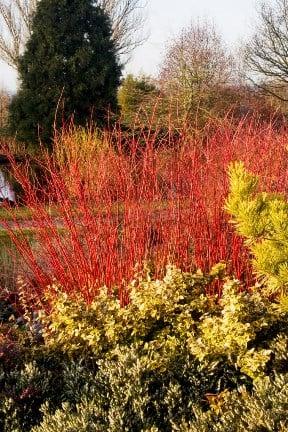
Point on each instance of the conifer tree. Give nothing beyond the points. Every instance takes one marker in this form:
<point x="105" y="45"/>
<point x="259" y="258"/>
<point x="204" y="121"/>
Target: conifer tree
<point x="69" y="69"/>
<point x="262" y="218"/>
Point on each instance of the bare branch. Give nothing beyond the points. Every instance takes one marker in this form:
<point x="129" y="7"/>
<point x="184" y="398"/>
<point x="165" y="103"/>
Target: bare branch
<point x="127" y="18"/>
<point x="195" y="63"/>
<point x="266" y="56"/>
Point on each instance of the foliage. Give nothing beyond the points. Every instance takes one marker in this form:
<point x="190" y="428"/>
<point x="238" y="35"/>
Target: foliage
<point x="158" y="353"/>
<point x="262" y="218"/>
<point x="136" y="98"/>
<point x="263" y="410"/>
<point x="69" y="68"/>
<point x="229" y="332"/>
<point x="115" y="377"/>
<point x="168" y="358"/>
<point x="152" y="311"/>
<point x="235" y="333"/>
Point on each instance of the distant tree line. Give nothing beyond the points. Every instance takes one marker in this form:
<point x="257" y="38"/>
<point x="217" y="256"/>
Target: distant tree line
<point x="199" y="79"/>
<point x="70" y="57"/>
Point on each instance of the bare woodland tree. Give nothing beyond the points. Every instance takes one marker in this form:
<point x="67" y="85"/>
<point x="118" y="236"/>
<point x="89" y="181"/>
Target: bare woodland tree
<point x="195" y="63"/>
<point x="266" y="56"/>
<point x="127" y="17"/>
<point x="15" y="21"/>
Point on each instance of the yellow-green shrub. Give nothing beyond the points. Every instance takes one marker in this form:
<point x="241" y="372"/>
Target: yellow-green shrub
<point x="232" y="331"/>
<point x="160" y="312"/>
<point x="262" y="218"/>
<point x="164" y="315"/>
<point x="146" y="366"/>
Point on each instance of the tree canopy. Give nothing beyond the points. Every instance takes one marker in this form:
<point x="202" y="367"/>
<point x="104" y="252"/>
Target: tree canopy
<point x="69" y="69"/>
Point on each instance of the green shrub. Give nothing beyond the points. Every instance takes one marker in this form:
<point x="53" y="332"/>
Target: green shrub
<point x="169" y="314"/>
<point x="168" y="360"/>
<point x="263" y="410"/>
<point x="137" y="97"/>
<point x="159" y="312"/>
<point x="239" y="332"/>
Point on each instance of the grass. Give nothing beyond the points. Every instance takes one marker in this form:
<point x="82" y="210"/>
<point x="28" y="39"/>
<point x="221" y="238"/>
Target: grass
<point x="20" y="213"/>
<point x="12" y="263"/>
<point x="5" y="235"/>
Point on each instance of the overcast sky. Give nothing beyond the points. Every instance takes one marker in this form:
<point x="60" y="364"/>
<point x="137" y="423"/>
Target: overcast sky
<point x="165" y="18"/>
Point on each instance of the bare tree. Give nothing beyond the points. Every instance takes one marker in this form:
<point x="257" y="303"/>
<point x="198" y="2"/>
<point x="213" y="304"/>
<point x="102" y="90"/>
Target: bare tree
<point x="266" y="55"/>
<point x="15" y="22"/>
<point x="127" y="17"/>
<point x="195" y="63"/>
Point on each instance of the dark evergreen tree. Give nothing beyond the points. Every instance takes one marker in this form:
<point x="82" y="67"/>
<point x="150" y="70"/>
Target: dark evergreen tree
<point x="69" y="69"/>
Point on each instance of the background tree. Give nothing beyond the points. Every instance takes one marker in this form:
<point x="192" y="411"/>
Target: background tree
<point x="128" y="18"/>
<point x="15" y="28"/>
<point x="16" y="17"/>
<point x="266" y="55"/>
<point x="69" y="68"/>
<point x="136" y="97"/>
<point x="4" y="103"/>
<point x="196" y="65"/>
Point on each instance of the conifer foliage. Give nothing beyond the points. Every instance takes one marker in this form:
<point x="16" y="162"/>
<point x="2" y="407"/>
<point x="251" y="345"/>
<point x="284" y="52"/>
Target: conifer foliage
<point x="69" y="69"/>
<point x="262" y="218"/>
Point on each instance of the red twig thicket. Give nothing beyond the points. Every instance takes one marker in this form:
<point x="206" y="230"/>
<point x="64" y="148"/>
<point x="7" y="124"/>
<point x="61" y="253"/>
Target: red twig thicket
<point x="121" y="201"/>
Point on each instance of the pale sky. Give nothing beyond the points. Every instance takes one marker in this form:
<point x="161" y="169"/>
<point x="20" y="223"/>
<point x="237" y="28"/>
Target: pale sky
<point x="165" y="19"/>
